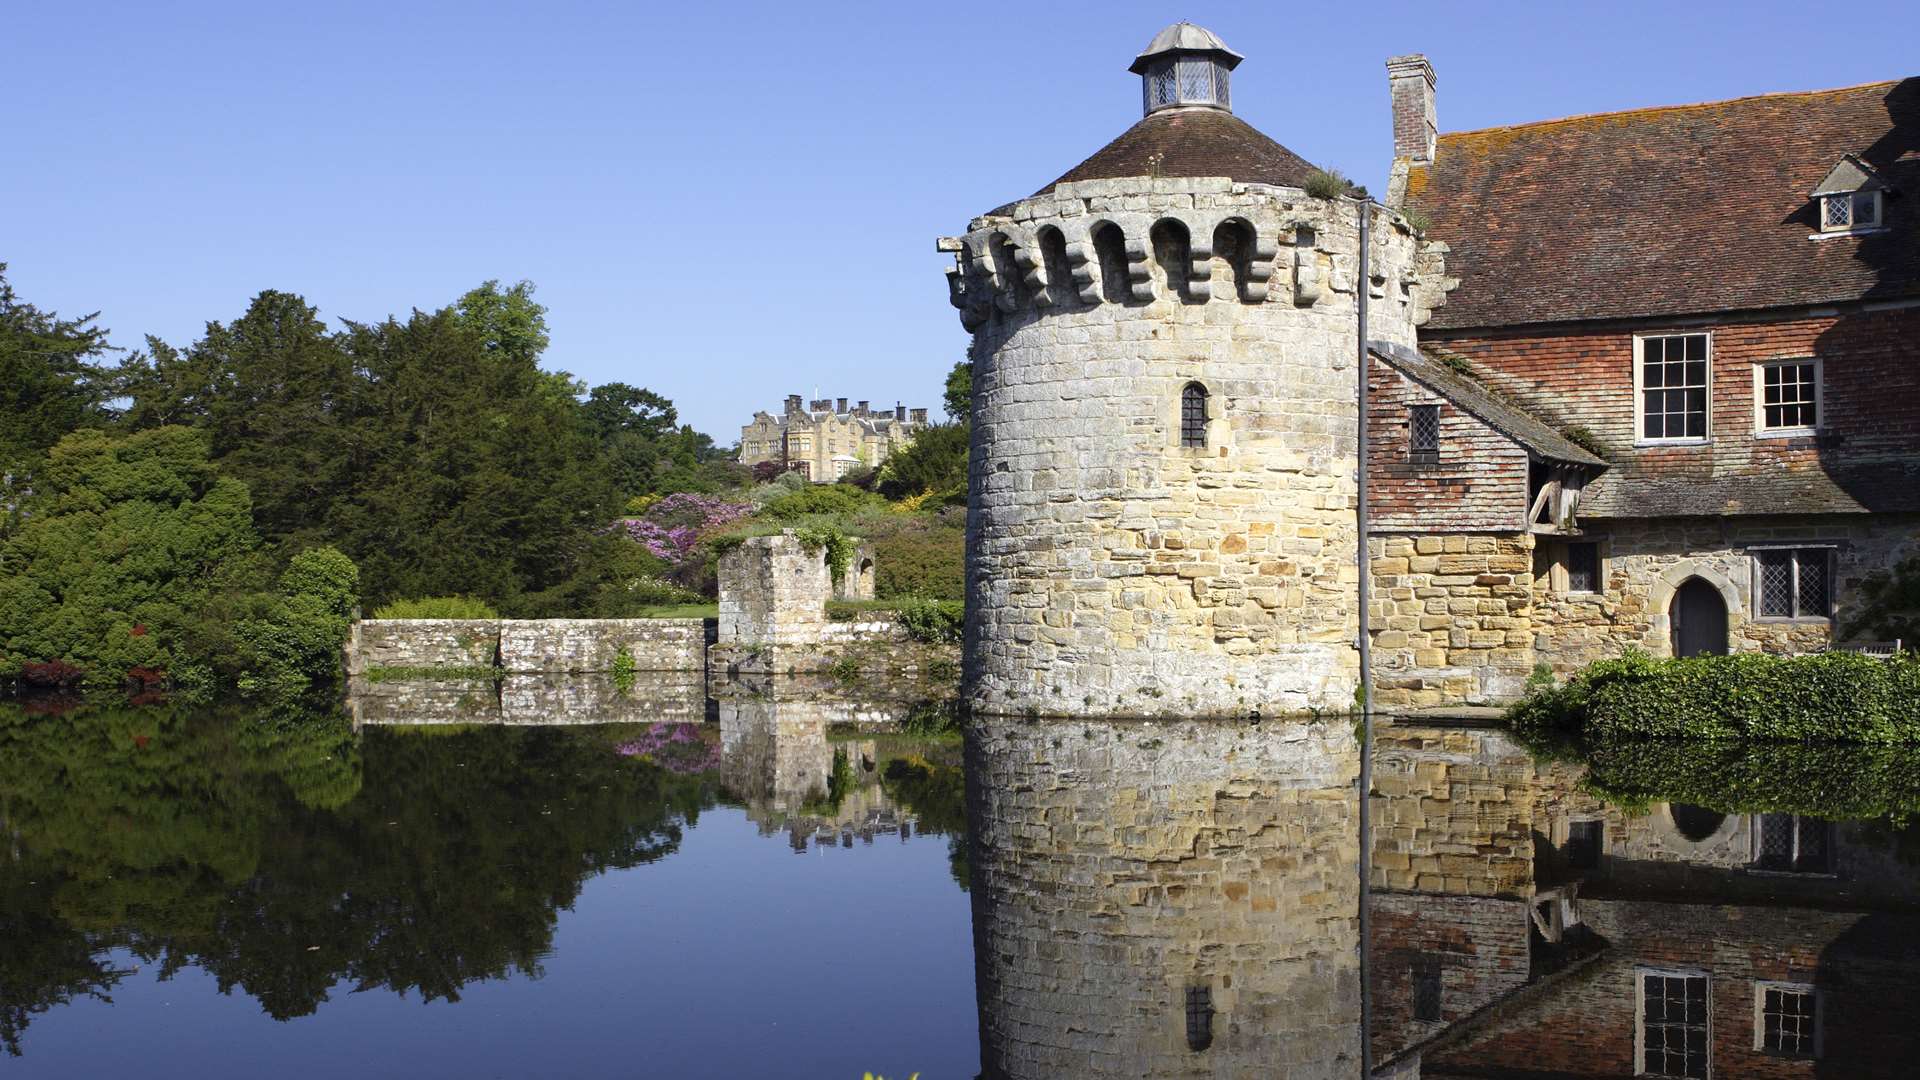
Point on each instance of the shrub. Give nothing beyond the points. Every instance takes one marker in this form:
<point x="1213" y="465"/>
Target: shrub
<point x="1890" y="607"/>
<point x="437" y="607"/>
<point x="818" y="499"/>
<point x="1327" y="184"/>
<point x="938" y="622"/>
<point x="936" y="460"/>
<point x="926" y="560"/>
<point x="1832" y="781"/>
<point x="1833" y="696"/>
<point x="291" y="641"/>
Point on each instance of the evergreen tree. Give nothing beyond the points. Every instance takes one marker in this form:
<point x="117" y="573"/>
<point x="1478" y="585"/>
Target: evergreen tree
<point x="50" y="383"/>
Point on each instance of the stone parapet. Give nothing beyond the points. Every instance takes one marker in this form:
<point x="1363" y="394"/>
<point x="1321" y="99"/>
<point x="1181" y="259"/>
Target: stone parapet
<point x="422" y="643"/>
<point x="562" y="645"/>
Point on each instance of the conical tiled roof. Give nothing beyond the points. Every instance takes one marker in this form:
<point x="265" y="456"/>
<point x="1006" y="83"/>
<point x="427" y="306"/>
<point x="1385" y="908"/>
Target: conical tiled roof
<point x="1193" y="142"/>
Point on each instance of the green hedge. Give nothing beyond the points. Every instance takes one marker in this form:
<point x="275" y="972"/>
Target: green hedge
<point x="1835" y="696"/>
<point x="1832" y="781"/>
<point x="437" y="607"/>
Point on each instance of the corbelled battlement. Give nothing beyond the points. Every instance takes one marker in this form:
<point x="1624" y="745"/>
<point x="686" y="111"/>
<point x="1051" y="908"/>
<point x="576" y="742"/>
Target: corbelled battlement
<point x="1101" y="241"/>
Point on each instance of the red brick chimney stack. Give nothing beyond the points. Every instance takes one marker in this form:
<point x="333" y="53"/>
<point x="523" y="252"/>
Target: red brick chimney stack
<point x="1415" y="126"/>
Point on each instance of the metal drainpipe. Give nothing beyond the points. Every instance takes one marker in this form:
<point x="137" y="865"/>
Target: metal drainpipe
<point x="1361" y="288"/>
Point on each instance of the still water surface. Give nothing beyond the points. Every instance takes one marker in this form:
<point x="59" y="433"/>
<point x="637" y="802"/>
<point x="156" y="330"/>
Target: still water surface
<point x="575" y="881"/>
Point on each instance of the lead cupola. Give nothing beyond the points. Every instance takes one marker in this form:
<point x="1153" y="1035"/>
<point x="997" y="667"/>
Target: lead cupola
<point x="1185" y="65"/>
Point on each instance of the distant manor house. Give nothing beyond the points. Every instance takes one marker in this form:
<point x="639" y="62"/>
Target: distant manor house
<point x="827" y="440"/>
<point x="1647" y="379"/>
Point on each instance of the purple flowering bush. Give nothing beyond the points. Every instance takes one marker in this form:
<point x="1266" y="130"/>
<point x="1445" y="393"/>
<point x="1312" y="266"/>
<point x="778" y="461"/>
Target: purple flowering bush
<point x="677" y="748"/>
<point x="672" y="528"/>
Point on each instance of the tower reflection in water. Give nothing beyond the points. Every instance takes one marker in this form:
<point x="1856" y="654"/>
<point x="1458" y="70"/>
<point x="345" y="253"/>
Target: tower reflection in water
<point x="1181" y="899"/>
<point x="1159" y="899"/>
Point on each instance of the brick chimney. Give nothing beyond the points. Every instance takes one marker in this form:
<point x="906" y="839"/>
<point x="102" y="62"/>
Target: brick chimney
<point x="862" y="410"/>
<point x="1415" y="127"/>
<point x="919" y="416"/>
<point x="793" y="403"/>
<point x="840" y="406"/>
<point x="899" y="412"/>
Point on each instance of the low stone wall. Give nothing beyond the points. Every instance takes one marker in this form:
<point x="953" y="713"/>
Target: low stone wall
<point x="422" y="643"/>
<point x="541" y="699"/>
<point x="556" y="645"/>
<point x="871" y="646"/>
<point x="527" y="645"/>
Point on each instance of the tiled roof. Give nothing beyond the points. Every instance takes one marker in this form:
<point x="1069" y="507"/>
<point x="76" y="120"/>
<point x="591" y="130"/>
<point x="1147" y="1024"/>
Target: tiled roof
<point x="1440" y="371"/>
<point x="1681" y="210"/>
<point x="1194" y="142"/>
<point x="1886" y="487"/>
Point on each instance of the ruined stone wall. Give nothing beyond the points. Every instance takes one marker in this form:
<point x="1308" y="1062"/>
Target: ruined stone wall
<point x="1112" y="570"/>
<point x="1117" y="864"/>
<point x="1452" y="618"/>
<point x="773" y="591"/>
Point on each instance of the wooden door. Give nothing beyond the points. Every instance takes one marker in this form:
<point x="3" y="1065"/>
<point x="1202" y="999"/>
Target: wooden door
<point x="1699" y="620"/>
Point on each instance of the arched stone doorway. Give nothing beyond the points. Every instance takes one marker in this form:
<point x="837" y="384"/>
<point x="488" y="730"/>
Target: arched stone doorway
<point x="1697" y="619"/>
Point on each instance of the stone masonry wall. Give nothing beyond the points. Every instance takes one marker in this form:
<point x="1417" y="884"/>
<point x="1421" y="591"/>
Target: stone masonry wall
<point x="530" y="699"/>
<point x="1117" y="865"/>
<point x="1643" y="562"/>
<point x="526" y="645"/>
<point x="1112" y="570"/>
<point x="1452" y="618"/>
<point x="422" y="643"/>
<point x="773" y="591"/>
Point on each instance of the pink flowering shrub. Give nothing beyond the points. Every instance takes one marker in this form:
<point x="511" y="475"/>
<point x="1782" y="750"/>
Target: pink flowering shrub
<point x="671" y="528"/>
<point x="676" y="748"/>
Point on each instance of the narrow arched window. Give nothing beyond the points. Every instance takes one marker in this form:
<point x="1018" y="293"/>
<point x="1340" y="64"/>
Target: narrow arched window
<point x="1193" y="416"/>
<point x="1199" y="1018"/>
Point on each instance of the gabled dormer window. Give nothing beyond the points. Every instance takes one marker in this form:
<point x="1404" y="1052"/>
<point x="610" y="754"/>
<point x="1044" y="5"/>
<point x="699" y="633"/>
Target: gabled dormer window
<point x="1849" y="210"/>
<point x="1851" y="199"/>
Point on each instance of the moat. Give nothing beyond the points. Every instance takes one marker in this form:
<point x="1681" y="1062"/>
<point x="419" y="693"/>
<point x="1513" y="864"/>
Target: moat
<point x="780" y="878"/>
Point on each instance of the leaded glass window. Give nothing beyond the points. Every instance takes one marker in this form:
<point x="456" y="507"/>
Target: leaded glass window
<point x="1673" y="387"/>
<point x="1199" y="1017"/>
<point x="1795" y="583"/>
<point x="1193" y="416"/>
<point x="1584" y="840"/>
<point x="1673" y="1019"/>
<point x="1789" y="395"/>
<point x="1791" y="844"/>
<point x="1423" y="430"/>
<point x="1849" y="210"/>
<point x="1426" y="989"/>
<point x="1185" y="80"/>
<point x="1583" y="567"/>
<point x="1788" y="1017"/>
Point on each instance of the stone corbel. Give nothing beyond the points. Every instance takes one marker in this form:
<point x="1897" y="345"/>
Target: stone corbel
<point x="1033" y="269"/>
<point x="1306" y="276"/>
<point x="1139" y="266"/>
<point x="1266" y="250"/>
<point x="1085" y="270"/>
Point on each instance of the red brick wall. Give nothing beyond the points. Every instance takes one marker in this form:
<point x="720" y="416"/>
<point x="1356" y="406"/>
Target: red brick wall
<point x="1479" y="484"/>
<point x="1584" y="1027"/>
<point x="1479" y="944"/>
<point x="1584" y="377"/>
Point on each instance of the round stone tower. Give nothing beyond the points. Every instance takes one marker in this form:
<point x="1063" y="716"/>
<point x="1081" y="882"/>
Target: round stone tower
<point x="1163" y="483"/>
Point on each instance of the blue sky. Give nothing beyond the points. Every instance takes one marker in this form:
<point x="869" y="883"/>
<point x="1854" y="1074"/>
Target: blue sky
<point x="732" y="203"/>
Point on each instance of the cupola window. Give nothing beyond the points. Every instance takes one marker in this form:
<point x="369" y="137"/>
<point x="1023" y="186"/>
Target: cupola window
<point x="1185" y="65"/>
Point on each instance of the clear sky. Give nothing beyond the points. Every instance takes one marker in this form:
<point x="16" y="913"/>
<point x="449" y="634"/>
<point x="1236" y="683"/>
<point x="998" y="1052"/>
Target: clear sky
<point x="731" y="203"/>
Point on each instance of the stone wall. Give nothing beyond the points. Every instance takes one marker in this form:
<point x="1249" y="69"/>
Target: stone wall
<point x="773" y="591"/>
<point x="1112" y="570"/>
<point x="1452" y="618"/>
<point x="540" y="699"/>
<point x="1643" y="562"/>
<point x="1117" y="865"/>
<point x="422" y="643"/>
<point x="526" y="645"/>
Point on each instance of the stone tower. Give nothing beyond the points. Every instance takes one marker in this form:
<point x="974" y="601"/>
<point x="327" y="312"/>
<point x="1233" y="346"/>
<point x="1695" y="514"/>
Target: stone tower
<point x="1163" y="479"/>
